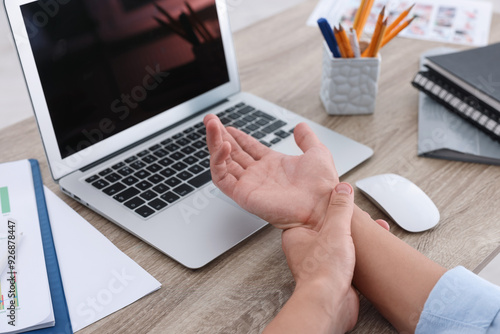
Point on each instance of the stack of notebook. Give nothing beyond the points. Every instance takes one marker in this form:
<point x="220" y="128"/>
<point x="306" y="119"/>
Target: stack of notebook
<point x="468" y="84"/>
<point x="459" y="112"/>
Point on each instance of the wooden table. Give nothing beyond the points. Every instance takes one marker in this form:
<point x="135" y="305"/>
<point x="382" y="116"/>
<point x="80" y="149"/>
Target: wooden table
<point x="240" y="292"/>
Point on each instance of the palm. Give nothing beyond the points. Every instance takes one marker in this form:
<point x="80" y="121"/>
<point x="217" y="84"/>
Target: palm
<point x="287" y="191"/>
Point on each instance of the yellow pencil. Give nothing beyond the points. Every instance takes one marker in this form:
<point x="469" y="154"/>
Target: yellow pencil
<point x="396" y="31"/>
<point x="376" y="34"/>
<point x="377" y="47"/>
<point x="364" y="18"/>
<point x="358" y="15"/>
<point x="397" y="21"/>
<point x="338" y="37"/>
<point x="345" y="41"/>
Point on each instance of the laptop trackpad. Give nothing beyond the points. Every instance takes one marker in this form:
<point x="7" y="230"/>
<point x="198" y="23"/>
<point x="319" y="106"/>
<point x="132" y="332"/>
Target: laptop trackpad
<point x="219" y="194"/>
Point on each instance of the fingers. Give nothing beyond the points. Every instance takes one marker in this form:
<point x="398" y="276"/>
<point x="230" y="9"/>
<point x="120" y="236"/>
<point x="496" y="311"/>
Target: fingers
<point x="238" y="155"/>
<point x="224" y="174"/>
<point x="249" y="144"/>
<point x="383" y="224"/>
<point x="340" y="210"/>
<point x="305" y="137"/>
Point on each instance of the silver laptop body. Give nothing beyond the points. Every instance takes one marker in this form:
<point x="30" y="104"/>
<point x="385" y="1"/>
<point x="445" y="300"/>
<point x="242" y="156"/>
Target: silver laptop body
<point x="113" y="82"/>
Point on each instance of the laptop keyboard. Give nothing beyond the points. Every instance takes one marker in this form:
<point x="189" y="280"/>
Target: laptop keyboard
<point x="153" y="179"/>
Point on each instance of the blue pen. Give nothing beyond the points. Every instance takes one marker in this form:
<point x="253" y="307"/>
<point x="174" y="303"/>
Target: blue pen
<point x="327" y="32"/>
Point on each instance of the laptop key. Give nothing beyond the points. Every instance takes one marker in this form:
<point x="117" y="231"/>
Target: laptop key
<point x="178" y="135"/>
<point x="246" y="110"/>
<point x="161" y="153"/>
<point x="170" y="197"/>
<point x="114" y="189"/>
<point x="137" y="165"/>
<point x="282" y="134"/>
<point x="189" y="130"/>
<point x="173" y="182"/>
<point x="154" y="147"/>
<point x="166" y="141"/>
<point x="149" y="159"/>
<point x="265" y="143"/>
<point x="225" y="121"/>
<point x="154" y="168"/>
<point x="179" y="166"/>
<point x="161" y="188"/>
<point x="143" y="153"/>
<point x="196" y="169"/>
<point x="142" y="174"/>
<point x="167" y="172"/>
<point x="113" y="177"/>
<point x="273" y="127"/>
<point x="199" y="125"/>
<point x="190" y="160"/>
<point x="172" y="147"/>
<point x="258" y="135"/>
<point x="205" y="163"/>
<point x="275" y="140"/>
<point x="252" y="127"/>
<point x="131" y="159"/>
<point x="99" y="184"/>
<point x="188" y="150"/>
<point x="130" y="180"/>
<point x="202" y="131"/>
<point x="126" y="195"/>
<point x="183" y="142"/>
<point x="193" y="136"/>
<point x="199" y="144"/>
<point x="118" y="165"/>
<point x="166" y="162"/>
<point x="183" y="189"/>
<point x="201" y="179"/>
<point x="126" y="171"/>
<point x="201" y="154"/>
<point x="148" y="195"/>
<point x="239" y="124"/>
<point x="184" y="175"/>
<point x="157" y="204"/>
<point x="134" y="203"/>
<point x="106" y="172"/>
<point x="262" y="122"/>
<point x="92" y="179"/>
<point x="143" y="185"/>
<point x="177" y="156"/>
<point x="145" y="211"/>
<point x="155" y="179"/>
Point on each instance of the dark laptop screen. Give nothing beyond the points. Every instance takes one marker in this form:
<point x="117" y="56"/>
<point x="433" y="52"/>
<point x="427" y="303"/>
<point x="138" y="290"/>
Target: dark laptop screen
<point x="106" y="65"/>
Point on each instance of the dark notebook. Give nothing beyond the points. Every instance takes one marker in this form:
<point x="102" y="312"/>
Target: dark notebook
<point x="468" y="84"/>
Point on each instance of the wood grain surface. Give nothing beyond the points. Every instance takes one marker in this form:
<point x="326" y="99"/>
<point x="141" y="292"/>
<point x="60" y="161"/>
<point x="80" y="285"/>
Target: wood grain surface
<point x="240" y="292"/>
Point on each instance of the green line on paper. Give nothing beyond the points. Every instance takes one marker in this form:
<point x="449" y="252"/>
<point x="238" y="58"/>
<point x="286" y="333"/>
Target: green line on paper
<point x="4" y="199"/>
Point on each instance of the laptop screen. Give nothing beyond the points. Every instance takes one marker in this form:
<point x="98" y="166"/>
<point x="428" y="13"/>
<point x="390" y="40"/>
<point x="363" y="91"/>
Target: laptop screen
<point x="107" y="65"/>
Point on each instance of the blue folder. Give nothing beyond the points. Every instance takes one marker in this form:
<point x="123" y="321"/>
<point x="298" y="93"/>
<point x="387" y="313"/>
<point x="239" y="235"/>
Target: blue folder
<point x="59" y="305"/>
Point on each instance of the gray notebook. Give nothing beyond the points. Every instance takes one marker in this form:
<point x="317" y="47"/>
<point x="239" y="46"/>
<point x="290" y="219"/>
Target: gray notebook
<point x="444" y="135"/>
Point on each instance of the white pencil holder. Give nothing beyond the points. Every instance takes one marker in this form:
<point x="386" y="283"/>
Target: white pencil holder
<point x="349" y="85"/>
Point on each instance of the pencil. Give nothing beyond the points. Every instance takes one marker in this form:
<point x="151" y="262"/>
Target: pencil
<point x="340" y="43"/>
<point x="358" y="14"/>
<point x="376" y="33"/>
<point x="377" y="47"/>
<point x="347" y="44"/>
<point x="400" y="18"/>
<point x="396" y="31"/>
<point x="365" y="14"/>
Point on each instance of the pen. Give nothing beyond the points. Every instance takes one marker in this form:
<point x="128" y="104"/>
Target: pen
<point x="353" y="38"/>
<point x="327" y="32"/>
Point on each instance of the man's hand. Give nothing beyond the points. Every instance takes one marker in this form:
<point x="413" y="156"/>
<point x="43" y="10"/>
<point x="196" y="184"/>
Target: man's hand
<point x="286" y="191"/>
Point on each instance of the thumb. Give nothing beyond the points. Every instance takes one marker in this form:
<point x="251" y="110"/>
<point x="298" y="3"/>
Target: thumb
<point x="340" y="209"/>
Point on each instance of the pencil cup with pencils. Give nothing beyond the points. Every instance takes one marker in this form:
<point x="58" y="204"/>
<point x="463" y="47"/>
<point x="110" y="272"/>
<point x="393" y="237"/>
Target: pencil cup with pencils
<point x="349" y="85"/>
<point x="351" y="67"/>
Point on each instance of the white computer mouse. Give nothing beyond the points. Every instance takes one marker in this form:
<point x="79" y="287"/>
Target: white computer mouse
<point x="402" y="201"/>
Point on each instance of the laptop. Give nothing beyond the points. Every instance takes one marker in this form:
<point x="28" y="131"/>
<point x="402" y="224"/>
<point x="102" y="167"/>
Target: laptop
<point x="119" y="90"/>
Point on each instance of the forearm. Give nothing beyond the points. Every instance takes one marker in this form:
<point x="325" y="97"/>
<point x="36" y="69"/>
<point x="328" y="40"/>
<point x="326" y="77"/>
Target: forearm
<point x="310" y="309"/>
<point x="393" y="276"/>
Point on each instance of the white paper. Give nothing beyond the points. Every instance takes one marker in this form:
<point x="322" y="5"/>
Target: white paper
<point x="465" y="22"/>
<point x="98" y="278"/>
<point x="33" y="293"/>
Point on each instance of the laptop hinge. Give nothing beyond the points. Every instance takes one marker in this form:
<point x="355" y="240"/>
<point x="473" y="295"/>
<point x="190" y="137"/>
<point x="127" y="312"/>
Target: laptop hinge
<point x="102" y="160"/>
